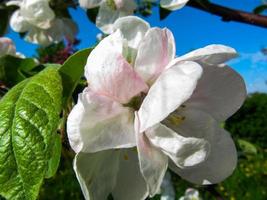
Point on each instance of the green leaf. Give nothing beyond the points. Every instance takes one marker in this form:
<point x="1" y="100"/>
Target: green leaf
<point x="163" y="13"/>
<point x="260" y="9"/>
<point x="13" y="69"/>
<point x="247" y="147"/>
<point x="53" y="163"/>
<point x="29" y="117"/>
<point x="72" y="71"/>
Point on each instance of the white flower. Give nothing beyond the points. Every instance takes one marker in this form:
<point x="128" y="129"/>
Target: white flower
<point x="190" y="194"/>
<point x="7" y="47"/>
<point x="37" y="19"/>
<point x="109" y="11"/>
<point x="175" y="104"/>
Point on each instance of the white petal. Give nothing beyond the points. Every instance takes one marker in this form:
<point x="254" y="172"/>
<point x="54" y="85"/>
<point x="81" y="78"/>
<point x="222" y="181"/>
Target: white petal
<point x="221" y="91"/>
<point x="130" y="182"/>
<point x="219" y="165"/>
<point x="107" y="16"/>
<point x="37" y="13"/>
<point x="132" y="28"/>
<point x="153" y="163"/>
<point x="211" y="54"/>
<point x="113" y="76"/>
<point x="173" y="4"/>
<point x="171" y="89"/>
<point x="155" y="51"/>
<point x="184" y="151"/>
<point x="18" y="23"/>
<point x="89" y="3"/>
<point x="97" y="173"/>
<point x="97" y="123"/>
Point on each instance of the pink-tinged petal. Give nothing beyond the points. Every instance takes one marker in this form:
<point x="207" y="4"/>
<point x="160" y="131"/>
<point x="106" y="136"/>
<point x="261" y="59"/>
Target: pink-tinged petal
<point x="220" y="92"/>
<point x="171" y="89"/>
<point x="97" y="123"/>
<point x="132" y="28"/>
<point x="153" y="163"/>
<point x="184" y="151"/>
<point x="130" y="183"/>
<point x="111" y="44"/>
<point x="97" y="173"/>
<point x="173" y="4"/>
<point x="212" y="54"/>
<point x="115" y="78"/>
<point x="155" y="51"/>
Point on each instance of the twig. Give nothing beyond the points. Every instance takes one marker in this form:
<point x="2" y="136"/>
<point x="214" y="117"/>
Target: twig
<point x="229" y="14"/>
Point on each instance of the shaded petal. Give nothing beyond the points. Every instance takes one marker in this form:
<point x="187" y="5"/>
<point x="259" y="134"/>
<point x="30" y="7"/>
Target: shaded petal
<point x="221" y="91"/>
<point x="153" y="163"/>
<point x="171" y="89"/>
<point x="212" y="54"/>
<point x="90" y="3"/>
<point x="96" y="173"/>
<point x="114" y="77"/>
<point x="220" y="163"/>
<point x="173" y="4"/>
<point x="155" y="51"/>
<point x="98" y="123"/>
<point x="130" y="182"/>
<point x="132" y="28"/>
<point x="184" y="151"/>
<point x="18" y="23"/>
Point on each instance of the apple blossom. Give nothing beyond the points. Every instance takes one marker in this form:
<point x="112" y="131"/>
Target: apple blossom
<point x="191" y="194"/>
<point x="7" y="47"/>
<point x="111" y="10"/>
<point x="169" y="108"/>
<point x="39" y="21"/>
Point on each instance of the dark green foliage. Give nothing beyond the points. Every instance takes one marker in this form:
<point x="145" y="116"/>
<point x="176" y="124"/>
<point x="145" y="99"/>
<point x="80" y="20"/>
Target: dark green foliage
<point x="250" y="122"/>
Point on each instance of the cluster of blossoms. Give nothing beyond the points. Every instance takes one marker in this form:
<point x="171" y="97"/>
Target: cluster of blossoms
<point x="7" y="47"/>
<point x="111" y="10"/>
<point x="38" y="20"/>
<point x="145" y="110"/>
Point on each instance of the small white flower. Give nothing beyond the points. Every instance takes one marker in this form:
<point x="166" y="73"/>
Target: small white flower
<point x="191" y="194"/>
<point x="37" y="19"/>
<point x="140" y="95"/>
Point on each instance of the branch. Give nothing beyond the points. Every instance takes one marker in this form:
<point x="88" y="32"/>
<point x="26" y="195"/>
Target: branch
<point x="229" y="14"/>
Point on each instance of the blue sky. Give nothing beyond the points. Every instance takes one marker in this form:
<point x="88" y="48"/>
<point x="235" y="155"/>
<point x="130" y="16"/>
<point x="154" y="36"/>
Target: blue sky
<point x="194" y="29"/>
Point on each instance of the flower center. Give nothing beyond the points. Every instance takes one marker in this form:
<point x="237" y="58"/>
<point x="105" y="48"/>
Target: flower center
<point x="136" y="101"/>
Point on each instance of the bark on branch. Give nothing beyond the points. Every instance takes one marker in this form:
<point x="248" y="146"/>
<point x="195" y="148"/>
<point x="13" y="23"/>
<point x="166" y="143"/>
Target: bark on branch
<point x="229" y="14"/>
